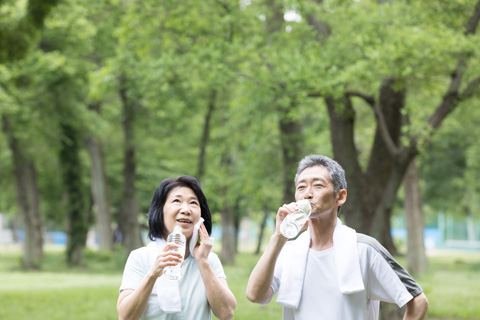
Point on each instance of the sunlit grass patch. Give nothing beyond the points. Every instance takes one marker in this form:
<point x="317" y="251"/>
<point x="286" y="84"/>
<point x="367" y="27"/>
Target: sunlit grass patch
<point x="58" y="292"/>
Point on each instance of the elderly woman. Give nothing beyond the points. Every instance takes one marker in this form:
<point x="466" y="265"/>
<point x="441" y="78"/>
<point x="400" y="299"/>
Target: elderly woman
<point x="203" y="288"/>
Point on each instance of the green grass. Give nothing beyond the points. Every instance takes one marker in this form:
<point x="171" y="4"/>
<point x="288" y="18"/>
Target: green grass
<point x="56" y="292"/>
<point x="452" y="285"/>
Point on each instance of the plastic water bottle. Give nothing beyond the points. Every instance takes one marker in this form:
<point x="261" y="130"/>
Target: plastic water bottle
<point x="177" y="237"/>
<point x="293" y="222"/>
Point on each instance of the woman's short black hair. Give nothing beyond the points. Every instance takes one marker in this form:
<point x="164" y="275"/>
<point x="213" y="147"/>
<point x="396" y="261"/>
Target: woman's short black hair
<point x="156" y="226"/>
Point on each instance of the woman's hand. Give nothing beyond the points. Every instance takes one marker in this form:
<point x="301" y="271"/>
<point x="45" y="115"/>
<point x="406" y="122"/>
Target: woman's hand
<point x="204" y="246"/>
<point x="165" y="258"/>
<point x="221" y="299"/>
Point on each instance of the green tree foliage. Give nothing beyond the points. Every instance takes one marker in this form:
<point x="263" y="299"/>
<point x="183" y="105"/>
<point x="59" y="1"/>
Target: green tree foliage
<point x="20" y="23"/>
<point x="450" y="165"/>
<point x="255" y="69"/>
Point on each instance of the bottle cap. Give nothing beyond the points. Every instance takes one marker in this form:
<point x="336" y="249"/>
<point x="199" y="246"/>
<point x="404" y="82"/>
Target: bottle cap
<point x="177" y="229"/>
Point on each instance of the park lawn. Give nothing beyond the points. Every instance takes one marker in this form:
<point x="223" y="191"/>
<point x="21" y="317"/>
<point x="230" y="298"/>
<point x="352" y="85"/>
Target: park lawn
<point x="57" y="292"/>
<point x="452" y="285"/>
<point x="91" y="293"/>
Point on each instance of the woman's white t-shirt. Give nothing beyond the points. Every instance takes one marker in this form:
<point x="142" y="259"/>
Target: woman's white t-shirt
<point x="192" y="290"/>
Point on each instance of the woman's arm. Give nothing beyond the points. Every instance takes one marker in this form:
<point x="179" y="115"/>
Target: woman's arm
<point x="132" y="303"/>
<point x="221" y="299"/>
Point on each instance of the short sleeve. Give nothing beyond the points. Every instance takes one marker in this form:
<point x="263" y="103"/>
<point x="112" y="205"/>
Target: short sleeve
<point x="385" y="284"/>
<point x="277" y="274"/>
<point x="216" y="265"/>
<point x="135" y="270"/>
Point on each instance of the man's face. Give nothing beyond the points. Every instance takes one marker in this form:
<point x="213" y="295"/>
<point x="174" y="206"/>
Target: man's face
<point x="314" y="184"/>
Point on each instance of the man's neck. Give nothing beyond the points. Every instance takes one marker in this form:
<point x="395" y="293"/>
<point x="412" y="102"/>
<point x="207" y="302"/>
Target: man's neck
<point x="321" y="231"/>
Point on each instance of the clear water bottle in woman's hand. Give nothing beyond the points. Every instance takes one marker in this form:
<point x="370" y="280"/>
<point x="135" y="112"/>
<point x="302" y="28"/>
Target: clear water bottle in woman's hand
<point x="177" y="237"/>
<point x="293" y="222"/>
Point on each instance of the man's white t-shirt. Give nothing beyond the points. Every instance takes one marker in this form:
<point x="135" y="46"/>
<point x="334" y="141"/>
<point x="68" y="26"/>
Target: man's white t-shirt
<point x="192" y="290"/>
<point x="322" y="299"/>
<point x="332" y="303"/>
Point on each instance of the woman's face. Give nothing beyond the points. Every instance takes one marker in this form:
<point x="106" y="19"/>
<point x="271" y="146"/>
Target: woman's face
<point x="181" y="208"/>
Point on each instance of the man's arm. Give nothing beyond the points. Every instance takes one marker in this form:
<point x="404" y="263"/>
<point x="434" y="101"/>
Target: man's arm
<point x="259" y="288"/>
<point x="416" y="308"/>
<point x="259" y="284"/>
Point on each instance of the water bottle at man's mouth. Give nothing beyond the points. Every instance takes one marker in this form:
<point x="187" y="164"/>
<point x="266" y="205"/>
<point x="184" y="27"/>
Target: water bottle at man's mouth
<point x="293" y="222"/>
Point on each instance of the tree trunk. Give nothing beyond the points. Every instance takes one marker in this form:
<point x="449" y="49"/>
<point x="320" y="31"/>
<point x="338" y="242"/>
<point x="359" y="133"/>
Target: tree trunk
<point x="365" y="187"/>
<point x="100" y="195"/>
<point x="342" y="121"/>
<point x="128" y="214"/>
<point x="261" y="231"/>
<point x="371" y="192"/>
<point x="228" y="235"/>
<point x="291" y="137"/>
<point x="27" y="200"/>
<point x="237" y="217"/>
<point x="100" y="192"/>
<point x="416" y="258"/>
<point x="228" y="217"/>
<point x="205" y="135"/>
<point x="75" y="191"/>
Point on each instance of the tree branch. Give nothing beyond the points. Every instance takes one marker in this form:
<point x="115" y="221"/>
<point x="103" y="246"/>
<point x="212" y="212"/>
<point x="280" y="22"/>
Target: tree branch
<point x="280" y="85"/>
<point x="387" y="138"/>
<point x="472" y="88"/>
<point x="473" y="22"/>
<point x="452" y="97"/>
<point x="249" y="77"/>
<point x="314" y="95"/>
<point x="368" y="99"/>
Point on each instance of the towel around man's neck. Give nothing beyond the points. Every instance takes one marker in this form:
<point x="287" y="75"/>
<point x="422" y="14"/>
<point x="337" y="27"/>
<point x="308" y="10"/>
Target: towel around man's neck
<point x="295" y="262"/>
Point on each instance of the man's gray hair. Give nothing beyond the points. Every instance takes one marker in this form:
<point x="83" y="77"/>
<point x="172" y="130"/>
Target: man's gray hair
<point x="336" y="172"/>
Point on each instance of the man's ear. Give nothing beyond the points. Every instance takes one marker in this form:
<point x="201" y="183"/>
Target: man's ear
<point x="341" y="197"/>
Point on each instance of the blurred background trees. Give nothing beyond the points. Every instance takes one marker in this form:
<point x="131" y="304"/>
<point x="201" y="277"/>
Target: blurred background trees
<point x="102" y="100"/>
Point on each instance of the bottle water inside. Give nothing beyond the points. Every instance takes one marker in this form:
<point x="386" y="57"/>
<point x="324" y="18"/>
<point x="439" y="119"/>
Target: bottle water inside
<point x="175" y="272"/>
<point x="293" y="222"/>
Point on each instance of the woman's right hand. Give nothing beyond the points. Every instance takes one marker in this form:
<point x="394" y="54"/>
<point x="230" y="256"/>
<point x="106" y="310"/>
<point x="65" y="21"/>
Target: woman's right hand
<point x="166" y="258"/>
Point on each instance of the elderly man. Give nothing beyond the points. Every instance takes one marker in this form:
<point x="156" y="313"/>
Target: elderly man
<point x="330" y="272"/>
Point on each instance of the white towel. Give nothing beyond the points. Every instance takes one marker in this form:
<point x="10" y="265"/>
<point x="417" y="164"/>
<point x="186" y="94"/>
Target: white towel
<point x="168" y="291"/>
<point x="346" y="259"/>
<point x="294" y="262"/>
<point x="194" y="238"/>
<point x="169" y="295"/>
